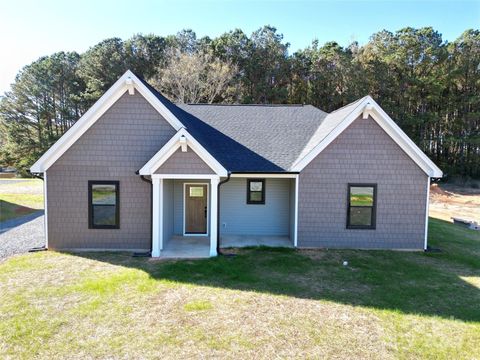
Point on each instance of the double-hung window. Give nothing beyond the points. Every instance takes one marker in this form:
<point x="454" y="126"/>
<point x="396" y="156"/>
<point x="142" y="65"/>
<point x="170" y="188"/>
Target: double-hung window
<point x="362" y="203"/>
<point x="255" y="191"/>
<point x="103" y="205"/>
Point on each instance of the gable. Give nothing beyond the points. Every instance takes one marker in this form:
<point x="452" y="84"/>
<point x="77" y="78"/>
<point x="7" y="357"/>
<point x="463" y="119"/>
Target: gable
<point x="364" y="149"/>
<point x="187" y="162"/>
<point x="184" y="142"/>
<point x="128" y="83"/>
<point x="337" y="122"/>
<point x="124" y="137"/>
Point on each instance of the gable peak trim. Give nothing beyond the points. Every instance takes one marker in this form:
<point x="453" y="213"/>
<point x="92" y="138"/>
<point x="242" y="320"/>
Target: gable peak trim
<point x="366" y="108"/>
<point x="127" y="82"/>
<point x="184" y="140"/>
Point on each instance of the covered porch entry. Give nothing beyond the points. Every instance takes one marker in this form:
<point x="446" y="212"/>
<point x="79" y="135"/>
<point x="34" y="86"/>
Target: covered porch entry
<point x="184" y="212"/>
<point x="190" y="211"/>
<point x="255" y="208"/>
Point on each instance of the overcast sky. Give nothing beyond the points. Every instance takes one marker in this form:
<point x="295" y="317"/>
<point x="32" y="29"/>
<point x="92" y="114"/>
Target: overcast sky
<point x="30" y="29"/>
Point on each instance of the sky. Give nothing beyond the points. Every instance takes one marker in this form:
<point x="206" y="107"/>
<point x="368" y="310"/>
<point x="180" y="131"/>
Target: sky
<point x="30" y="29"/>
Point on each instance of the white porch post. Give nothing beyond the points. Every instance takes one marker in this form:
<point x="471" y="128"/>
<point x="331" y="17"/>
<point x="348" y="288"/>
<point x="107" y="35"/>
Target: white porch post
<point x="157" y="216"/>
<point x="425" y="245"/>
<point x="213" y="215"/>
<point x="295" y="232"/>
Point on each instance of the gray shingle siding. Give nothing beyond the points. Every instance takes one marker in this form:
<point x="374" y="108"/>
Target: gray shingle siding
<point x="184" y="163"/>
<point x="116" y="146"/>
<point x="363" y="153"/>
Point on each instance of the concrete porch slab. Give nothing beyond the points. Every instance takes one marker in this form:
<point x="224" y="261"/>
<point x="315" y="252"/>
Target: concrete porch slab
<point x="186" y="247"/>
<point x="197" y="247"/>
<point x="254" y="240"/>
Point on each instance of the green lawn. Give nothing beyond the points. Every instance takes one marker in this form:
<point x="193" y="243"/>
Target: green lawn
<point x="20" y="198"/>
<point x="262" y="303"/>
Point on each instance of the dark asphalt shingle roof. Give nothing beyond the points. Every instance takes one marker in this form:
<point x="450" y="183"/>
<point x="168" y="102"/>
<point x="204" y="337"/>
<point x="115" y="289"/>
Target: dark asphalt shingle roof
<point x="276" y="134"/>
<point x="249" y="138"/>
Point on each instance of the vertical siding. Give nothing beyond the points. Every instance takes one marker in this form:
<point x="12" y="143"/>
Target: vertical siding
<point x="168" y="210"/>
<point x="116" y="146"/>
<point x="363" y="153"/>
<point x="184" y="163"/>
<point x="239" y="218"/>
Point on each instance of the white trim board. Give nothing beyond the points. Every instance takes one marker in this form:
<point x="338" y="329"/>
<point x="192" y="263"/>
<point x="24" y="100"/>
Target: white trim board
<point x="208" y="208"/>
<point x="368" y="107"/>
<point x="295" y="231"/>
<point x="45" y="206"/>
<point x="128" y="82"/>
<point x="177" y="141"/>
<point x="185" y="176"/>
<point x="157" y="217"/>
<point x="427" y="209"/>
<point x="265" y="176"/>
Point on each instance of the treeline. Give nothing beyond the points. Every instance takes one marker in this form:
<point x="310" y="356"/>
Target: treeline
<point x="429" y="86"/>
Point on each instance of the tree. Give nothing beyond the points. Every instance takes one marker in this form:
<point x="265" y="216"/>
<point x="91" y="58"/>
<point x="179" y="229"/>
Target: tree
<point x="323" y="76"/>
<point x="267" y="71"/>
<point x="430" y="87"/>
<point x="460" y="143"/>
<point x="145" y="53"/>
<point x="196" y="77"/>
<point x="185" y="41"/>
<point x="43" y="103"/>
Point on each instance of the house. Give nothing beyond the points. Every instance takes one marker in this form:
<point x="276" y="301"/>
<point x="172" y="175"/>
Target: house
<point x="139" y="173"/>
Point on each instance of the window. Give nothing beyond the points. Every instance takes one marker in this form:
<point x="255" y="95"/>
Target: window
<point x="103" y="200"/>
<point x="196" y="191"/>
<point x="361" y="206"/>
<point x="256" y="191"/>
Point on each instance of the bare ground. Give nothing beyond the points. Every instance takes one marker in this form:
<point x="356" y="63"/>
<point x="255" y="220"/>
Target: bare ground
<point x="447" y="201"/>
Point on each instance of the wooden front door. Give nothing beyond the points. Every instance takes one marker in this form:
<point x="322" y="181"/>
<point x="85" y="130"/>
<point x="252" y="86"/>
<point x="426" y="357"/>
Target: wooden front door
<point x="195" y="209"/>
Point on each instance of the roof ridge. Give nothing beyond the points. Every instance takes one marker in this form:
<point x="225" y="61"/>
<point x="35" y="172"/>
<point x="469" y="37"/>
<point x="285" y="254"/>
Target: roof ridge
<point x="263" y="105"/>
<point x="349" y="104"/>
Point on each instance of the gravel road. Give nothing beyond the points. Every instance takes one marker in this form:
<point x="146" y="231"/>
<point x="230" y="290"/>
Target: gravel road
<point x="19" y="235"/>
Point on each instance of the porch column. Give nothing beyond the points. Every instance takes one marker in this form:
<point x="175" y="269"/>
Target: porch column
<point x="157" y="216"/>
<point x="295" y="230"/>
<point x="213" y="215"/>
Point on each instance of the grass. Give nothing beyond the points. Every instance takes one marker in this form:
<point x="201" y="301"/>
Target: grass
<point x="262" y="303"/>
<point x="20" y="198"/>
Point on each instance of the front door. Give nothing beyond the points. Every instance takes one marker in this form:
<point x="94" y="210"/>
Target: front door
<point x="195" y="209"/>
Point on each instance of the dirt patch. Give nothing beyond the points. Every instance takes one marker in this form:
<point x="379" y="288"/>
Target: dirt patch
<point x="447" y="201"/>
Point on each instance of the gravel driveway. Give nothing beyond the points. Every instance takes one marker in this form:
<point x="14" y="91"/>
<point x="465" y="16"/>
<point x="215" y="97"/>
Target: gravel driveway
<point x="19" y="235"/>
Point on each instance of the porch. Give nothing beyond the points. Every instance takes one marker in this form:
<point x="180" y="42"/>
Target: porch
<point x="193" y="247"/>
<point x="186" y="220"/>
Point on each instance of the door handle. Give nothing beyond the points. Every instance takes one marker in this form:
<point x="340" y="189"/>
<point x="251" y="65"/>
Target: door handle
<point x="205" y="212"/>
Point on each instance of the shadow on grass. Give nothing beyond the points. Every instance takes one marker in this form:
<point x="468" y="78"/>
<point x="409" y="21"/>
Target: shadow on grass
<point x="414" y="283"/>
